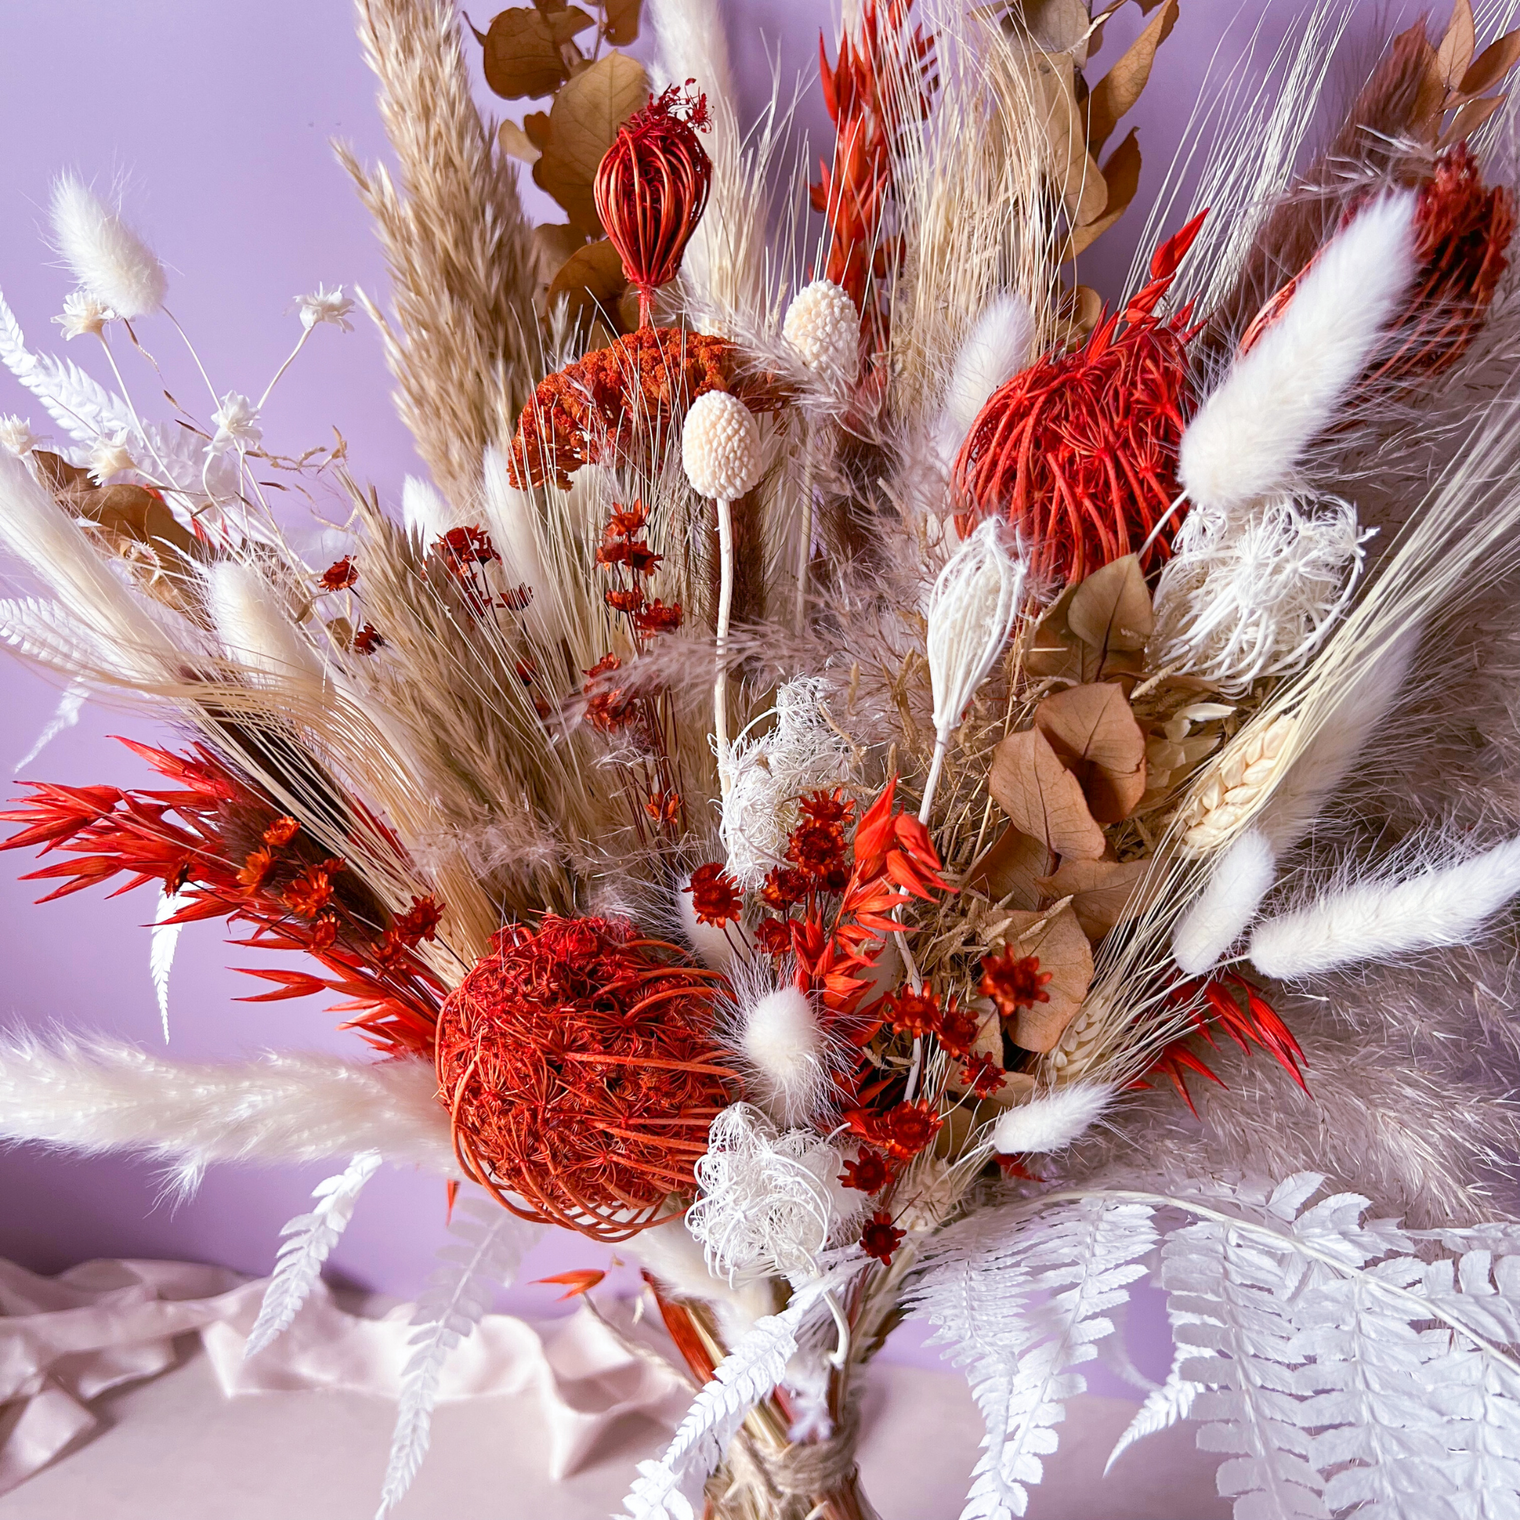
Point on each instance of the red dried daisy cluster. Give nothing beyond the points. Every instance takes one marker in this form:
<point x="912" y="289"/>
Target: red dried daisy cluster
<point x="464" y="553"/>
<point x="340" y="576"/>
<point x="715" y="896"/>
<point x="227" y="852"/>
<point x="1014" y="981"/>
<point x="922" y="1013"/>
<point x="619" y="403"/>
<point x="881" y="80"/>
<point x="578" y="1070"/>
<point x="651" y="188"/>
<point x="1080" y="450"/>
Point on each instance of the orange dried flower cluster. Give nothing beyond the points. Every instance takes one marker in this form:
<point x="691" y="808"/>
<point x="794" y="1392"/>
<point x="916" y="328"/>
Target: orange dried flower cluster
<point x="340" y="576"/>
<point x="621" y="402"/>
<point x="621" y="549"/>
<point x="715" y="896"/>
<point x="577" y="1065"/>
<point x="1014" y="981"/>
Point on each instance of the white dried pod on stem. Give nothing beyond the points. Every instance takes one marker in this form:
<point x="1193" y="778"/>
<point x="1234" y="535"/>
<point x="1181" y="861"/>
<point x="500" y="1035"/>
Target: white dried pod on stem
<point x="1050" y="1120"/>
<point x="823" y="328"/>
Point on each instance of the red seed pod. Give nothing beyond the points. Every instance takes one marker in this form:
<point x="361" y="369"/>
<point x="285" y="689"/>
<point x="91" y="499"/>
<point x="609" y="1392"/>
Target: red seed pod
<point x="651" y="189"/>
<point x="577" y="1065"/>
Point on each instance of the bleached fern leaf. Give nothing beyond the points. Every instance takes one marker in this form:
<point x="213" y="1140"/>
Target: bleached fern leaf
<point x="45" y="632"/>
<point x="1023" y="1300"/>
<point x="309" y="1240"/>
<point x="1164" y="1405"/>
<point x="84" y="409"/>
<point x="458" y="1294"/>
<point x="1341" y="1372"/>
<point x="162" y="944"/>
<point x="65" y="715"/>
<point x="669" y="1488"/>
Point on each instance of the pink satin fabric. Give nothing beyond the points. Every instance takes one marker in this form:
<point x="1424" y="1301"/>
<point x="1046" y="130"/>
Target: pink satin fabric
<point x="66" y="1340"/>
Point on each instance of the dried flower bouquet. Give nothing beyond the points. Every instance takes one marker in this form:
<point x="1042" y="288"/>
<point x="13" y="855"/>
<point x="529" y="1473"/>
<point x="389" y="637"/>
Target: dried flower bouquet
<point x="881" y="777"/>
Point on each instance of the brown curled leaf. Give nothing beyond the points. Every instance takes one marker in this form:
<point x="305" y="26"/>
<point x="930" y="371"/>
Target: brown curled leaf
<point x="1093" y="731"/>
<point x="1042" y="798"/>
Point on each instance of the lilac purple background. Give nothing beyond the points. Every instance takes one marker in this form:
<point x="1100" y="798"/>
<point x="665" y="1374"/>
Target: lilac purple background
<point x="217" y="117"/>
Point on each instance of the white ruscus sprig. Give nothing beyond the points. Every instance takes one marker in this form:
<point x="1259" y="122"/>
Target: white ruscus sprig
<point x="720" y="451"/>
<point x="971" y="612"/>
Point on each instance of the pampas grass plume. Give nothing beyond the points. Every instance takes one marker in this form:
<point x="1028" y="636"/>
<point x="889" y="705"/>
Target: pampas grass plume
<point x="1227" y="904"/>
<point x="1050" y="1121"/>
<point x="1251" y="434"/>
<point x="108" y="258"/>
<point x="253" y="627"/>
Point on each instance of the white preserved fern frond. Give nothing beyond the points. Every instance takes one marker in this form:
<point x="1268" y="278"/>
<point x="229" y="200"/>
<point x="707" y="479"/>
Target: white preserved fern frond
<point x="1164" y="1405"/>
<point x="84" y="409"/>
<point x="162" y="943"/>
<point x="457" y="1296"/>
<point x="1021" y="1301"/>
<point x="65" y="715"/>
<point x="308" y="1242"/>
<point x="667" y="1489"/>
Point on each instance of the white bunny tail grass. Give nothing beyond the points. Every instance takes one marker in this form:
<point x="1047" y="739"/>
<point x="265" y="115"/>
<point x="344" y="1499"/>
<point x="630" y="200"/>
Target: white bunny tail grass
<point x="96" y="1095"/>
<point x="1050" y="1121"/>
<point x="110" y="261"/>
<point x="996" y="348"/>
<point x="254" y="628"/>
<point x="1240" y="879"/>
<point x="1253" y="596"/>
<point x="787" y="1057"/>
<point x="1252" y="432"/>
<point x="1378" y="920"/>
<point x="424" y="512"/>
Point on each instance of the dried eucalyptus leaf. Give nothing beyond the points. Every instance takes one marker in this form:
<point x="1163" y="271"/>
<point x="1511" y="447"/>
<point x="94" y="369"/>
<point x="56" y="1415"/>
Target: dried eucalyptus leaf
<point x="1102" y="892"/>
<point x="1042" y="798"/>
<point x="553" y="244"/>
<point x="1494" y="62"/>
<point x="592" y="281"/>
<point x="1121" y="173"/>
<point x="521" y="51"/>
<point x="516" y="143"/>
<point x="1093" y="731"/>
<point x="1111" y="609"/>
<point x="1063" y="951"/>
<point x="1120" y="88"/>
<point x="1469" y="118"/>
<point x="536" y="126"/>
<point x="1455" y="55"/>
<point x="583" y="124"/>
<point x="622" y="21"/>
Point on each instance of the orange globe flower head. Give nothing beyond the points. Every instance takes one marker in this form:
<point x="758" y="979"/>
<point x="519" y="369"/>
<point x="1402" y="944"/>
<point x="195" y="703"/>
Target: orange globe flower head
<point x="1079" y="450"/>
<point x="578" y="1067"/>
<point x="651" y="188"/>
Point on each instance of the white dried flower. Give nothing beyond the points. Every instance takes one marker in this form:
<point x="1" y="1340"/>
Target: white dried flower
<point x="324" y="305"/>
<point x="17" y="437"/>
<point x="237" y="426"/>
<point x="110" y="457"/>
<point x="108" y="258"/>
<point x="720" y="447"/>
<point x="824" y="327"/>
<point x="82" y="314"/>
<point x="771" y="1202"/>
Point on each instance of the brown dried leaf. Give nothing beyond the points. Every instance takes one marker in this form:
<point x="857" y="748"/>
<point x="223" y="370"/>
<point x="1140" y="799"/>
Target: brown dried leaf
<point x="1057" y="939"/>
<point x="593" y="282"/>
<point x="522" y="50"/>
<point x="1120" y="88"/>
<point x="1057" y="26"/>
<point x="1494" y="62"/>
<point x="536" y="126"/>
<point x="1011" y="868"/>
<point x="1121" y="173"/>
<point x="1469" y="118"/>
<point x="1455" y="55"/>
<point x="1102" y="892"/>
<point x="1111" y="609"/>
<point x="1041" y="797"/>
<point x="1093" y="731"/>
<point x="516" y="143"/>
<point x="622" y="21"/>
<point x="553" y="244"/>
<point x="583" y="124"/>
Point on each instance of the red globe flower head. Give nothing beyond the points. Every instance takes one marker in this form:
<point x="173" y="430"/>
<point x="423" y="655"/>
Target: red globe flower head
<point x="577" y="1065"/>
<point x="715" y="895"/>
<point x="881" y="1237"/>
<point x="1080" y="450"/>
<point x="651" y="188"/>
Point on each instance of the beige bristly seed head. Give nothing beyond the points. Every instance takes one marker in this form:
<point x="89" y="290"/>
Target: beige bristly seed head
<point x="823" y="326"/>
<point x="720" y="447"/>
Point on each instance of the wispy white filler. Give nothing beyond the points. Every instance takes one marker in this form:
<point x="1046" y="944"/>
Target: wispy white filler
<point x="1251" y="434"/>
<point x="108" y="258"/>
<point x="1376" y="920"/>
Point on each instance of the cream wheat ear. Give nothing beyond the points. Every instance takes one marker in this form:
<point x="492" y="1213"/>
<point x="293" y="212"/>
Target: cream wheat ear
<point x="871" y="775"/>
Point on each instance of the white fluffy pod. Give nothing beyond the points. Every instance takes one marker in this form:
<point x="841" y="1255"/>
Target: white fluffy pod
<point x="424" y="512"/>
<point x="1377" y="920"/>
<point x="996" y="348"/>
<point x="110" y="261"/>
<point x="823" y="327"/>
<point x="720" y="446"/>
<point x="786" y="1052"/>
<point x="712" y="946"/>
<point x="971" y="611"/>
<point x="1050" y="1121"/>
<point x="253" y="626"/>
<point x="1251" y="434"/>
<point x="1240" y="879"/>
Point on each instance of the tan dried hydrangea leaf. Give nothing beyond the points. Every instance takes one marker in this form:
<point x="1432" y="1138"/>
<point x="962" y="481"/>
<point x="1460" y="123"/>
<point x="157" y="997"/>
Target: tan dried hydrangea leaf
<point x="1042" y="798"/>
<point x="1121" y="175"/>
<point x="1111" y="609"/>
<point x="516" y="143"/>
<point x="1455" y="55"/>
<point x="1056" y="937"/>
<point x="583" y="123"/>
<point x="622" y="21"/>
<point x="593" y="282"/>
<point x="1093" y="731"/>
<point x="1102" y="892"/>
<point x="554" y="243"/>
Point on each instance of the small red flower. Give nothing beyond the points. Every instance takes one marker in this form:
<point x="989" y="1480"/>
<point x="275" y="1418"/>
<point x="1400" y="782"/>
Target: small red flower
<point x="281" y="832"/>
<point x="420" y="921"/>
<point x="913" y="1013"/>
<point x="715" y="895"/>
<point x="869" y="1173"/>
<point x="340" y="576"/>
<point x="255" y="869"/>
<point x="1014" y="981"/>
<point x="881" y="1237"/>
<point x="957" y="1029"/>
<point x="651" y="189"/>
<point x="775" y="936"/>
<point x="626" y="601"/>
<point x="312" y="890"/>
<point x="463" y="548"/>
<point x="981" y="1076"/>
<point x="663" y="807"/>
<point x="656" y="617"/>
<point x="324" y="932"/>
<point x="910" y="1128"/>
<point x="783" y="888"/>
<point x="368" y="639"/>
<point x="609" y="708"/>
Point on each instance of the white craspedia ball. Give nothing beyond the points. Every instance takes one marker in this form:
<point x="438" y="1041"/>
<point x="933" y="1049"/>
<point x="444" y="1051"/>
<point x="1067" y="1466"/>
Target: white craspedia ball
<point x="824" y="327"/>
<point x="786" y="1052"/>
<point x="720" y="447"/>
